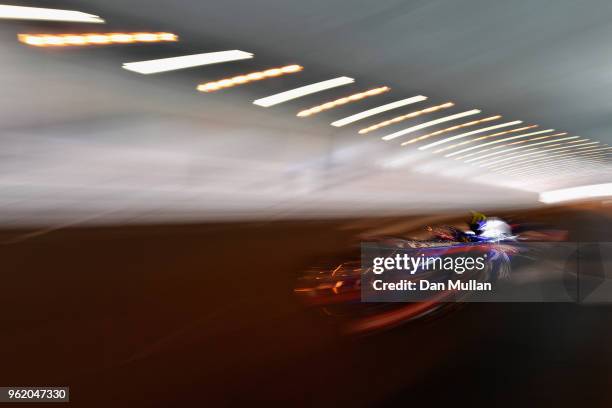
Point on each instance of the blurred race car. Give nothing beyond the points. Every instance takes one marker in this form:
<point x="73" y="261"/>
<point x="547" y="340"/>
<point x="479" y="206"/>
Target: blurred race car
<point x="334" y="286"/>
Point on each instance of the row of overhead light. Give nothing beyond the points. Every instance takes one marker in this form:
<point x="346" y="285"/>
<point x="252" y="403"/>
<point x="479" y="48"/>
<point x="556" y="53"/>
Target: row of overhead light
<point x="510" y="155"/>
<point x="58" y="40"/>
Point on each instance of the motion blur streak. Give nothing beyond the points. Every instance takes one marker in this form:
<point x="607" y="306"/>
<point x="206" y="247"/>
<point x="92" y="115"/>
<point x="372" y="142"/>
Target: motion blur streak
<point x="410" y="115"/>
<point x="302" y="91"/>
<point x="153" y="236"/>
<point x="560" y="148"/>
<point x="147" y="151"/>
<point x="342" y="101"/>
<point x="536" y="153"/>
<point x="394" y="317"/>
<point x="570" y="171"/>
<point x="485" y="137"/>
<point x="569" y="167"/>
<point x="246" y="78"/>
<point x="185" y="61"/>
<point x="450" y="129"/>
<point x="60" y="40"/>
<point x="35" y="13"/>
<point x="558" y="161"/>
<point x="555" y="159"/>
<point x="587" y="144"/>
<point x="430" y="123"/>
<point x="506" y="151"/>
<point x="380" y="109"/>
<point x="473" y="132"/>
<point x="576" y="193"/>
<point x="487" y="162"/>
<point x="537" y="159"/>
<point x="498" y="141"/>
<point x="543" y="156"/>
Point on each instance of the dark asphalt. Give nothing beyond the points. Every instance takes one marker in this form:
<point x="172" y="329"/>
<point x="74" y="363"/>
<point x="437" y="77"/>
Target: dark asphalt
<point x="179" y="315"/>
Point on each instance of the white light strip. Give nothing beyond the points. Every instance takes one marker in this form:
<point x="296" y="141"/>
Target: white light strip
<point x="565" y="169"/>
<point x="574" y="151"/>
<point x="542" y="177"/>
<point x="186" y="61"/>
<point x="485" y="137"/>
<point x="557" y="146"/>
<point x="302" y="91"/>
<point x="498" y="141"/>
<point x="576" y="193"/>
<point x="556" y="169"/>
<point x="593" y="150"/>
<point x="473" y="132"/>
<point x="535" y="177"/>
<point x="557" y="159"/>
<point x="540" y="156"/>
<point x="568" y="164"/>
<point x="450" y="129"/>
<point x="557" y="155"/>
<point x="430" y="123"/>
<point x="537" y="151"/>
<point x="572" y="148"/>
<point x="35" y="13"/>
<point x="558" y="152"/>
<point x="585" y="144"/>
<point x="504" y="153"/>
<point x="376" y="111"/>
<point x="342" y="101"/>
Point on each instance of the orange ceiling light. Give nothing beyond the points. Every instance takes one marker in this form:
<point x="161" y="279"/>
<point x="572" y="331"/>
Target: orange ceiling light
<point x="246" y="78"/>
<point x="351" y="98"/>
<point x="407" y="116"/>
<point x="450" y="129"/>
<point x="61" y="40"/>
<point x="485" y="137"/>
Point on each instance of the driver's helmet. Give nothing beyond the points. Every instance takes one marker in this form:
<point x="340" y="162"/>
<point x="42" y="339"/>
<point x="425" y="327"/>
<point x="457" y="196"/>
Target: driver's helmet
<point x="477" y="223"/>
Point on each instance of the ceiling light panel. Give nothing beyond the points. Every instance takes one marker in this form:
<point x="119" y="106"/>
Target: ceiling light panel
<point x="575" y="193"/>
<point x="62" y="40"/>
<point x="246" y="78"/>
<point x="378" y="110"/>
<point x="36" y="13"/>
<point x="430" y="123"/>
<point x="303" y="91"/>
<point x="186" y="61"/>
<point x="342" y="101"/>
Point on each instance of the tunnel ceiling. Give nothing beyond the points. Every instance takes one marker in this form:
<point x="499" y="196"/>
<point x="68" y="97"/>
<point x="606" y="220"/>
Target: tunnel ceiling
<point x="543" y="63"/>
